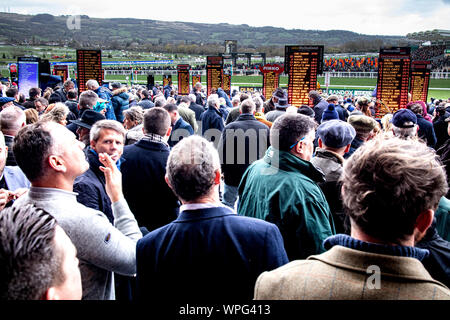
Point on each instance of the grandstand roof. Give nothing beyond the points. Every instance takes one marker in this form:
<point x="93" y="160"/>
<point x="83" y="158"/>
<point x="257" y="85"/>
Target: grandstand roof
<point x="436" y="36"/>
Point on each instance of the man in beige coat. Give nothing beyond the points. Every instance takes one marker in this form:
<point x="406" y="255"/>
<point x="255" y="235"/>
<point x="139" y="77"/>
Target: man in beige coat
<point x="391" y="188"/>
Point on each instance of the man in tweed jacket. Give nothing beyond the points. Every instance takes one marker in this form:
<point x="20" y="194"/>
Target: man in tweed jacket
<point x="391" y="188"/>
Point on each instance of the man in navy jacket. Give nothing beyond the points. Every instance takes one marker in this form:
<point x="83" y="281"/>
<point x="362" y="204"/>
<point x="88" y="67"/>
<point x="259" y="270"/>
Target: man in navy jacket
<point x="208" y="253"/>
<point x="143" y="173"/>
<point x="212" y="120"/>
<point x="180" y="128"/>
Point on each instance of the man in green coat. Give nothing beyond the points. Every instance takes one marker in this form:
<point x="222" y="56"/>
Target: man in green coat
<point x="282" y="188"/>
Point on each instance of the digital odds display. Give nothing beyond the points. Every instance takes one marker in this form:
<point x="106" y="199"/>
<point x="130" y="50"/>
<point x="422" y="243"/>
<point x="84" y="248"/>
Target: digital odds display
<point x="271" y="78"/>
<point x="89" y="66"/>
<point x="195" y="79"/>
<point x="302" y="64"/>
<point x="226" y="83"/>
<point x="62" y="71"/>
<point x="28" y="74"/>
<point x="183" y="78"/>
<point x="167" y="78"/>
<point x="420" y="80"/>
<point x="393" y="78"/>
<point x="214" y="72"/>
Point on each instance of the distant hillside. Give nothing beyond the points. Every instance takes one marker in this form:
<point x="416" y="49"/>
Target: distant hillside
<point x="124" y="32"/>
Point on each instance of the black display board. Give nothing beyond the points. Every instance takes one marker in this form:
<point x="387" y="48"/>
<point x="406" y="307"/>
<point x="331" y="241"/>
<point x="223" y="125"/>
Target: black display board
<point x="226" y="83"/>
<point x="420" y="80"/>
<point x="89" y="66"/>
<point x="150" y="81"/>
<point x="214" y="72"/>
<point x="302" y="66"/>
<point x="28" y="74"/>
<point x="167" y="79"/>
<point x="271" y="78"/>
<point x="195" y="79"/>
<point x="393" y="78"/>
<point x="183" y="79"/>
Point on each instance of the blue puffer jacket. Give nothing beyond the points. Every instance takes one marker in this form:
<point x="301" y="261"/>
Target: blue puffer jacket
<point x="105" y="94"/>
<point x="222" y="94"/>
<point x="120" y="102"/>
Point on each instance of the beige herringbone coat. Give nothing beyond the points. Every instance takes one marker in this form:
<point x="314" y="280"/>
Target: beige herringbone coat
<point x="342" y="274"/>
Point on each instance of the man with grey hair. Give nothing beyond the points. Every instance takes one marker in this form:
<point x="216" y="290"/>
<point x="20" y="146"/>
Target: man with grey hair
<point x="198" y="109"/>
<point x="67" y="86"/>
<point x="105" y="94"/>
<point x="404" y="124"/>
<point x="12" y="119"/>
<point x="208" y="247"/>
<point x="426" y="130"/>
<point x="282" y="188"/>
<point x="106" y="136"/>
<point x="212" y="118"/>
<point x="242" y="142"/>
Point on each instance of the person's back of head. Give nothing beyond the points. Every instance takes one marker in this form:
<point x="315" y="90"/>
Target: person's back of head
<point x="193" y="168"/>
<point x="192" y="97"/>
<point x="364" y="126"/>
<point x="289" y="129"/>
<point x="88" y="99"/>
<point x="388" y="183"/>
<point x="37" y="259"/>
<point x="404" y="124"/>
<point x="213" y="100"/>
<point x="34" y="93"/>
<point x="54" y="98"/>
<point x="243" y="97"/>
<point x="416" y="108"/>
<point x="259" y="104"/>
<point x="306" y="110"/>
<point x="160" y="102"/>
<point x="92" y="84"/>
<point x="31" y="115"/>
<point x="12" y="119"/>
<point x="145" y="94"/>
<point x="247" y="106"/>
<point x="72" y="94"/>
<point x="236" y="101"/>
<point x="12" y="92"/>
<point x="336" y="135"/>
<point x="156" y="121"/>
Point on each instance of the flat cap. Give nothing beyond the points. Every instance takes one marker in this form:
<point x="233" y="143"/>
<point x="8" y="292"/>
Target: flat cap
<point x="336" y="133"/>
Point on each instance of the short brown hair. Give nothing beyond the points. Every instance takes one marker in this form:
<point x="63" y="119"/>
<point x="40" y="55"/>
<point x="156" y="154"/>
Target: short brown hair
<point x="388" y="182"/>
<point x="157" y="121"/>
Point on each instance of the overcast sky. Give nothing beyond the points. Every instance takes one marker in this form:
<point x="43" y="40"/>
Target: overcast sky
<point x="381" y="17"/>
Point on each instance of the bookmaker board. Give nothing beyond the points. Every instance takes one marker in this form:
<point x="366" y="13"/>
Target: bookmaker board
<point x="167" y="79"/>
<point x="420" y="80"/>
<point x="183" y="79"/>
<point x="89" y="66"/>
<point x="302" y="64"/>
<point x="195" y="79"/>
<point x="226" y="83"/>
<point x="214" y="72"/>
<point x="62" y="71"/>
<point x="271" y="78"/>
<point x="393" y="78"/>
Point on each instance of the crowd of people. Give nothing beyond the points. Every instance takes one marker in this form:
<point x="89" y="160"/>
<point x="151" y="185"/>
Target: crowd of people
<point x="138" y="193"/>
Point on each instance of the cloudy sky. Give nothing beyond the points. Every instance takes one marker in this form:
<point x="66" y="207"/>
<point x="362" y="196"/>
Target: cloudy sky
<point x="382" y="17"/>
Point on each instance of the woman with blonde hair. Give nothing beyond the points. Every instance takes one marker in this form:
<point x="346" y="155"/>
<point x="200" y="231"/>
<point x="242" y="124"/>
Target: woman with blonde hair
<point x="56" y="112"/>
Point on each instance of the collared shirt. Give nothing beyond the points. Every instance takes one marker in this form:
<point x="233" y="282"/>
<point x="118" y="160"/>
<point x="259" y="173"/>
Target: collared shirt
<point x="155" y="138"/>
<point x="197" y="206"/>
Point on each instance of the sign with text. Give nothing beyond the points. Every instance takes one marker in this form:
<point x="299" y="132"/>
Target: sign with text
<point x="302" y="66"/>
<point x="183" y="79"/>
<point x="195" y="79"/>
<point x="214" y="72"/>
<point x="167" y="79"/>
<point x="28" y="74"/>
<point x="393" y="78"/>
<point x="271" y="78"/>
<point x="89" y="66"/>
<point x="420" y="80"/>
<point x="62" y="71"/>
<point x="226" y="83"/>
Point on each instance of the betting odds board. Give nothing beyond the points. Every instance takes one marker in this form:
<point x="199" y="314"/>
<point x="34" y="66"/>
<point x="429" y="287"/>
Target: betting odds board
<point x="62" y="71"/>
<point x="28" y="74"/>
<point x="167" y="79"/>
<point x="214" y="72"/>
<point x="89" y="66"/>
<point x="393" y="78"/>
<point x="150" y="81"/>
<point x="302" y="64"/>
<point x="271" y="78"/>
<point x="420" y="80"/>
<point x="183" y="79"/>
<point x="226" y="83"/>
<point x="195" y="79"/>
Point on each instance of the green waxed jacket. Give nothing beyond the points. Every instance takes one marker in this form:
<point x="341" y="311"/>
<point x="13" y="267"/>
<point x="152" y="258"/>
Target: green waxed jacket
<point x="282" y="189"/>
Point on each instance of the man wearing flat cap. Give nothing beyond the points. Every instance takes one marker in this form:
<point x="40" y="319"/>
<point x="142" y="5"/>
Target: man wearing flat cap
<point x="334" y="139"/>
<point x="404" y="124"/>
<point x="365" y="130"/>
<point x="6" y="102"/>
